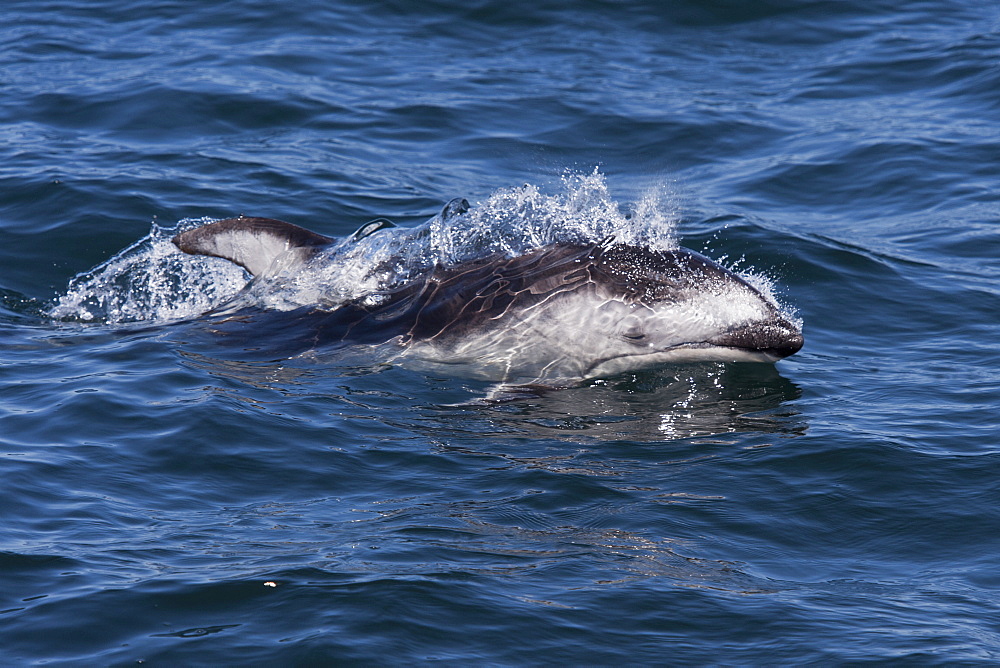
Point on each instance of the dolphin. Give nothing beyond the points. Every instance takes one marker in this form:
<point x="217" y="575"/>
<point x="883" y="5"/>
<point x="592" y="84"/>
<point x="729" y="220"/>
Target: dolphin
<point x="554" y="316"/>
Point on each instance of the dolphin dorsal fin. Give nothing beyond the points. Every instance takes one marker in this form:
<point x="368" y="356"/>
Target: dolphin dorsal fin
<point x="252" y="243"/>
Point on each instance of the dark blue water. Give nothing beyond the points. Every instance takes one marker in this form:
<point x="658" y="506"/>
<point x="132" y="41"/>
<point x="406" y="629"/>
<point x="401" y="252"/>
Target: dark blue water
<point x="169" y="502"/>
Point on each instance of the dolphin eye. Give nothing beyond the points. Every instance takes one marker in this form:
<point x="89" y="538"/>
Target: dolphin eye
<point x="633" y="335"/>
<point x="631" y="329"/>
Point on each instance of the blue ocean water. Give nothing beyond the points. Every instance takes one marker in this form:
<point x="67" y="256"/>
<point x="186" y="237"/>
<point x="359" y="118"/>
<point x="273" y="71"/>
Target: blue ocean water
<point x="168" y="501"/>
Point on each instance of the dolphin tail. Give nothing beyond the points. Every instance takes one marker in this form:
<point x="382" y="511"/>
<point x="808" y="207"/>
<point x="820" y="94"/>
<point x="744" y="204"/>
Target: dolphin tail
<point x="252" y="243"/>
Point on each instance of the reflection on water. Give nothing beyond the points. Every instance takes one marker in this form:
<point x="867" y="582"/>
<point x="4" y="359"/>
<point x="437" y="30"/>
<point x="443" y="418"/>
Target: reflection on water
<point x="668" y="404"/>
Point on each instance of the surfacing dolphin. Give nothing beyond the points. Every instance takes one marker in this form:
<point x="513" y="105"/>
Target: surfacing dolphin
<point x="554" y="316"/>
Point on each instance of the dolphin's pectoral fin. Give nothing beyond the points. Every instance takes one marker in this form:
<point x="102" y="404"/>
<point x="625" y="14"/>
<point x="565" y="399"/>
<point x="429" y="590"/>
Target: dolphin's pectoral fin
<point x="252" y="243"/>
<point x="503" y="393"/>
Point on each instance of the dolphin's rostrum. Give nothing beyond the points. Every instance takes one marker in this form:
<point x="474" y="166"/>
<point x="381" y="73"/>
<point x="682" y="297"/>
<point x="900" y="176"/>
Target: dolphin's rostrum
<point x="555" y="315"/>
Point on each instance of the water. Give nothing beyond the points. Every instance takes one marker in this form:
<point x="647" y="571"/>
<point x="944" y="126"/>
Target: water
<point x="169" y="501"/>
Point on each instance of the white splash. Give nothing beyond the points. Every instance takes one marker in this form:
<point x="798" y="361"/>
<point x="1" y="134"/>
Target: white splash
<point x="150" y="281"/>
<point x="514" y="221"/>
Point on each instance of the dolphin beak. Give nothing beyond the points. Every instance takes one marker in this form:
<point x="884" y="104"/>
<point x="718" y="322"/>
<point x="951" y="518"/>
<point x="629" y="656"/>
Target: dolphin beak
<point x="776" y="339"/>
<point x="789" y="346"/>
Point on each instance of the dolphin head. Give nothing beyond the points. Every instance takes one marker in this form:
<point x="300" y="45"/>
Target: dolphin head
<point x="661" y="306"/>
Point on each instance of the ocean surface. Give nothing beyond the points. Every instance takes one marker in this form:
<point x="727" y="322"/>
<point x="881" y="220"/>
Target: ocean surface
<point x="170" y="498"/>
